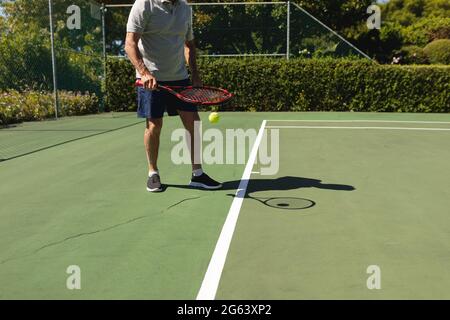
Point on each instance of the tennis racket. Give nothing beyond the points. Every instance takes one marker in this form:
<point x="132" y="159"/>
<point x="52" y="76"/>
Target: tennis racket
<point x="203" y="96"/>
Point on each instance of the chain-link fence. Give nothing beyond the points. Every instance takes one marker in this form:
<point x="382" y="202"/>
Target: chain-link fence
<point x="50" y="49"/>
<point x="85" y="33"/>
<point x="275" y="28"/>
<point x="25" y="55"/>
<point x="241" y="29"/>
<point x="78" y="45"/>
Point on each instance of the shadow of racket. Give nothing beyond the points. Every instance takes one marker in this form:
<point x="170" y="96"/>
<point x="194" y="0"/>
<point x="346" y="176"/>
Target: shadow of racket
<point x="283" y="203"/>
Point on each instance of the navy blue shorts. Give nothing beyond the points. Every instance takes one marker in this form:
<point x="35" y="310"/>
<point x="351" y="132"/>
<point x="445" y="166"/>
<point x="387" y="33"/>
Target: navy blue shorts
<point x="153" y="104"/>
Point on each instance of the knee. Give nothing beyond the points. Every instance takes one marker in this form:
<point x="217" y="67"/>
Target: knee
<point x="154" y="126"/>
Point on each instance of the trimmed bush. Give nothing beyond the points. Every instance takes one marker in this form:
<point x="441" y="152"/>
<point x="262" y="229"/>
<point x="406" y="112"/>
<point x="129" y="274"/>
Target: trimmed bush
<point x="120" y="93"/>
<point x="438" y="51"/>
<point x="308" y="85"/>
<point x="413" y="55"/>
<point x="18" y="106"/>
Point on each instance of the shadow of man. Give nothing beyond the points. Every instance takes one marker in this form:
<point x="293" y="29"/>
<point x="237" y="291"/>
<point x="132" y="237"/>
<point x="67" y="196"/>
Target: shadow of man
<point x="279" y="184"/>
<point x="293" y="183"/>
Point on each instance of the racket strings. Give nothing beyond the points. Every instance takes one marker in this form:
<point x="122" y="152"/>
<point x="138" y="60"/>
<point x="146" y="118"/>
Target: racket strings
<point x="204" y="95"/>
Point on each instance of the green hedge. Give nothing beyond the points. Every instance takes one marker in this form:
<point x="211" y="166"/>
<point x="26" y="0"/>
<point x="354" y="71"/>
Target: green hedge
<point x="438" y="51"/>
<point x="412" y="55"/>
<point x="18" y="106"/>
<point x="308" y="85"/>
<point x="120" y="92"/>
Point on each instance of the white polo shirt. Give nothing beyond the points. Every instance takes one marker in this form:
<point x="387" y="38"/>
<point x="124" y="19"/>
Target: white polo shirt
<point x="164" y="28"/>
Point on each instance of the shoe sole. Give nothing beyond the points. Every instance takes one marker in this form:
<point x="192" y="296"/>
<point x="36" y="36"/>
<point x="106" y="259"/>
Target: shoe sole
<point x="204" y="186"/>
<point x="154" y="190"/>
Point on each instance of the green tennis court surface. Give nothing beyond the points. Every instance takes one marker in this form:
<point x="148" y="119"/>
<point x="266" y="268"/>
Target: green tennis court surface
<point x="374" y="188"/>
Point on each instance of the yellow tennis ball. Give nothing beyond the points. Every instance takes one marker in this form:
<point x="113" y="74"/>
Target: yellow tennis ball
<point x="214" y="117"/>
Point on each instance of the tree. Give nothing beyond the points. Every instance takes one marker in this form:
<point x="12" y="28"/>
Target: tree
<point x="422" y="21"/>
<point x="407" y="12"/>
<point x="30" y="15"/>
<point x="338" y="14"/>
<point x="25" y="53"/>
<point x="405" y="23"/>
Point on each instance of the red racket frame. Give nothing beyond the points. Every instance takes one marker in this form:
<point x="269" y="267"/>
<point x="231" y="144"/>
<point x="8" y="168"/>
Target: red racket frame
<point x="171" y="90"/>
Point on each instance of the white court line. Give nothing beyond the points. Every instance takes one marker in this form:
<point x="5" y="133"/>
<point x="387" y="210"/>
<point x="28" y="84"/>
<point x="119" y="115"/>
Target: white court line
<point x="358" y="128"/>
<point x="362" y="121"/>
<point x="213" y="274"/>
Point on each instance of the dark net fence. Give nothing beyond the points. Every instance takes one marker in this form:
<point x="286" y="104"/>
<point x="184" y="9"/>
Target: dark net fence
<point x="26" y="55"/>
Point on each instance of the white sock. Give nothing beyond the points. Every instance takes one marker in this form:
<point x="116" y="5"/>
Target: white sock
<point x="152" y="173"/>
<point x="197" y="173"/>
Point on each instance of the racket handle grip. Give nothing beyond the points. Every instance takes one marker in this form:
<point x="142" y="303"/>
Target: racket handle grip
<point x="139" y="83"/>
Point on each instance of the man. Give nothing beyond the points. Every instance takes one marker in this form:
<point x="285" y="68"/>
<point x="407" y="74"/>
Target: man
<point x="159" y="34"/>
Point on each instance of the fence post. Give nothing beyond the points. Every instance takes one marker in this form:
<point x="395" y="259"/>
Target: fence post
<point x="105" y="63"/>
<point x="288" y="35"/>
<point x="52" y="39"/>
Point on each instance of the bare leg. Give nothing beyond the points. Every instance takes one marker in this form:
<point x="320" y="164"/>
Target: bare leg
<point x="189" y="119"/>
<point x="151" y="142"/>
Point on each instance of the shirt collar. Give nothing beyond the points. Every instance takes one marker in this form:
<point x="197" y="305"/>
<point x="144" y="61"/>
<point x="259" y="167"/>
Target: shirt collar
<point x="169" y="2"/>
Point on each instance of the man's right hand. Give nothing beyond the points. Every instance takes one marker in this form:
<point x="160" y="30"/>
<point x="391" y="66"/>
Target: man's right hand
<point x="149" y="81"/>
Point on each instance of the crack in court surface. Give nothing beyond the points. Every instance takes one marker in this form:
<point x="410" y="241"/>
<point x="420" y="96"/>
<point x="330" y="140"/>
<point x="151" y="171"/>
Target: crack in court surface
<point x="83" y="234"/>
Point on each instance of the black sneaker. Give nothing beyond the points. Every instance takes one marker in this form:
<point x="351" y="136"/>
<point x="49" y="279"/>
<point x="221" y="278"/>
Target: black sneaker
<point x="205" y="182"/>
<point x="154" y="183"/>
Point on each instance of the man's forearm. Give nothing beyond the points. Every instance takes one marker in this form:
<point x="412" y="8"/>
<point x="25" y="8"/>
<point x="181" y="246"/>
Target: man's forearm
<point x="135" y="57"/>
<point x="140" y="65"/>
<point x="137" y="60"/>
